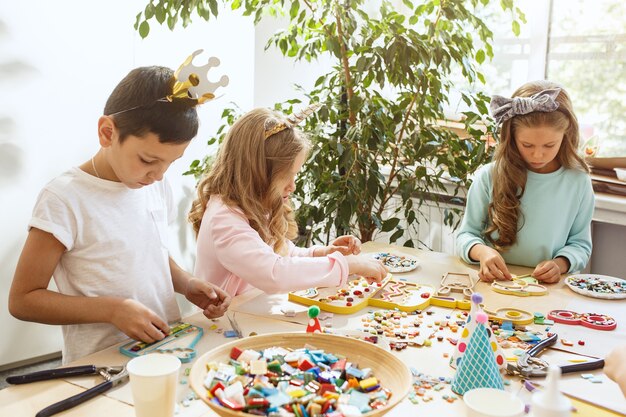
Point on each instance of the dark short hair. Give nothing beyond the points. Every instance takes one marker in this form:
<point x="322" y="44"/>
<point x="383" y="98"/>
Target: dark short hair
<point x="136" y="111"/>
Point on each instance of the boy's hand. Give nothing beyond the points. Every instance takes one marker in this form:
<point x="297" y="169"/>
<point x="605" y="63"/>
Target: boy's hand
<point x="371" y="269"/>
<point x="210" y="298"/>
<point x="492" y="265"/>
<point x="347" y="245"/>
<point x="549" y="271"/>
<point x="139" y="322"/>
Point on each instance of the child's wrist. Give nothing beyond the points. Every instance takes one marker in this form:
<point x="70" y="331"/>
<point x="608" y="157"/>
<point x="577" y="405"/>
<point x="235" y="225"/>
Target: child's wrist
<point x="563" y="264"/>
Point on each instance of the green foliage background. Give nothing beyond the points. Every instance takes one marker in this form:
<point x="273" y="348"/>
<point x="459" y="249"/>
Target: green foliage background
<point x="378" y="134"/>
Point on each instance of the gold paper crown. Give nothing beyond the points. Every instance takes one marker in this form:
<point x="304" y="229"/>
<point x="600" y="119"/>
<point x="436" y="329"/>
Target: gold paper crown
<point x="292" y="120"/>
<point x="191" y="82"/>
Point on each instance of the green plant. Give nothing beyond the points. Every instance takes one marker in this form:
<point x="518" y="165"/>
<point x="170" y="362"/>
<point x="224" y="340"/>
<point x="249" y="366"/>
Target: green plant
<point x="378" y="134"/>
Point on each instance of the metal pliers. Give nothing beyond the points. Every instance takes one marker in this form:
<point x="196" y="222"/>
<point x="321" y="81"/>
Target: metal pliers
<point x="113" y="376"/>
<point x="530" y="366"/>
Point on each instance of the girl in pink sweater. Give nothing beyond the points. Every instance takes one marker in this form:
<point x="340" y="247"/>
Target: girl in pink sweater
<point x="244" y="220"/>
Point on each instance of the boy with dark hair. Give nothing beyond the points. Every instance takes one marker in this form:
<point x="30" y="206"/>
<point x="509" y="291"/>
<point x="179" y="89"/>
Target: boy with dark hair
<point x="101" y="228"/>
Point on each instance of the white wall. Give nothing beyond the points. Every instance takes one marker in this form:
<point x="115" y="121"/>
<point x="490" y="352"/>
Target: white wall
<point x="59" y="61"/>
<point x="275" y="75"/>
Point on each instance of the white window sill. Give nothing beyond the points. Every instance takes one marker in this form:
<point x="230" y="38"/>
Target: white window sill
<point x="610" y="209"/>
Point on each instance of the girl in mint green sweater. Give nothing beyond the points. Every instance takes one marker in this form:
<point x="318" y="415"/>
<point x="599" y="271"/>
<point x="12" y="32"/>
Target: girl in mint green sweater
<point x="533" y="204"/>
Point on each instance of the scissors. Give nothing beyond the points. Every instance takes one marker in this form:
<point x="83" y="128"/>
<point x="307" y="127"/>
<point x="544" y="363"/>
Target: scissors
<point x="235" y="326"/>
<point x="113" y="376"/>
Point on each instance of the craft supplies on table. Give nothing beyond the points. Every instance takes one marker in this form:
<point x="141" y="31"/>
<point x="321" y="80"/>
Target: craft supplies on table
<point x="518" y="287"/>
<point x="180" y="342"/>
<point x="458" y="282"/>
<point x="590" y="320"/>
<point x="379" y="373"/>
<point x="112" y="375"/>
<point x="597" y="286"/>
<point x="358" y="294"/>
<point x="236" y="332"/>
<point x="397" y="263"/>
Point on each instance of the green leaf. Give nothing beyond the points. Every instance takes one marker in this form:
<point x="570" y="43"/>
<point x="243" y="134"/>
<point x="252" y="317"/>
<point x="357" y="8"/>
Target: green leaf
<point x="516" y="27"/>
<point x="480" y="56"/>
<point x="144" y="29"/>
<point x="390" y="224"/>
<point x="213" y="7"/>
<point x="149" y="11"/>
<point x="160" y="14"/>
<point x="372" y="185"/>
<point x="293" y="11"/>
<point x="396" y="235"/>
<point x="171" y="21"/>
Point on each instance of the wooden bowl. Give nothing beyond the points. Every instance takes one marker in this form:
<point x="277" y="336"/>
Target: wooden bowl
<point x="390" y="371"/>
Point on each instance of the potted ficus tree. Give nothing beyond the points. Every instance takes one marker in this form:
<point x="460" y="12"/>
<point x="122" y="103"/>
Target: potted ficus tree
<point x="378" y="136"/>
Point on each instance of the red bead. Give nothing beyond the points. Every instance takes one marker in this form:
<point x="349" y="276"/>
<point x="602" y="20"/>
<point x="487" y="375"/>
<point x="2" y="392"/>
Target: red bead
<point x="217" y="386"/>
<point x="235" y="352"/>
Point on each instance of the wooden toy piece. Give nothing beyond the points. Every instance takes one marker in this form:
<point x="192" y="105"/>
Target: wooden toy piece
<point x="358" y="294"/>
<point x="314" y="323"/>
<point x="180" y="342"/>
<point x="514" y="315"/>
<point x="402" y="295"/>
<point x="450" y="302"/>
<point x="392" y="294"/>
<point x="518" y="287"/>
<point x="590" y="320"/>
<point x="459" y="282"/>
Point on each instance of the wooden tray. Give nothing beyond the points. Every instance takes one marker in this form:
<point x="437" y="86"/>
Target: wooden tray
<point x="390" y="371"/>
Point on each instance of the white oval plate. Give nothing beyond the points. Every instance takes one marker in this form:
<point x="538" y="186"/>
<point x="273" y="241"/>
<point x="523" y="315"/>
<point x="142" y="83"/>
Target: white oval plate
<point x="595" y="294"/>
<point x="393" y="268"/>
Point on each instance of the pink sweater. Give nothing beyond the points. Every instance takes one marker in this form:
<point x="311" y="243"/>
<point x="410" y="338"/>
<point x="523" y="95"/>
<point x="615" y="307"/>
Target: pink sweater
<point x="232" y="255"/>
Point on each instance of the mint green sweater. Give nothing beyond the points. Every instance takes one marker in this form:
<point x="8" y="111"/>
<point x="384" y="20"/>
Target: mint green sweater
<point x="556" y="218"/>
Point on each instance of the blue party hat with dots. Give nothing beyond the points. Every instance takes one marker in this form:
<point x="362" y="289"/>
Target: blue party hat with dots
<point x="468" y="331"/>
<point x="477" y="367"/>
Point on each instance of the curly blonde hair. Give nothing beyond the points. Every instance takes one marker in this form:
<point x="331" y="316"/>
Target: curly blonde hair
<point x="245" y="172"/>
<point x="509" y="171"/>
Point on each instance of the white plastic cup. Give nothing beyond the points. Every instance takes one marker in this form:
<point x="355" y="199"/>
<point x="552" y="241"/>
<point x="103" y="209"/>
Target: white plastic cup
<point x="491" y="402"/>
<point x="154" y="382"/>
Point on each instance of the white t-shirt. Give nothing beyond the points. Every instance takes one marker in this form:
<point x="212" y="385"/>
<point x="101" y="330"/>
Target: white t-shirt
<point x="116" y="245"/>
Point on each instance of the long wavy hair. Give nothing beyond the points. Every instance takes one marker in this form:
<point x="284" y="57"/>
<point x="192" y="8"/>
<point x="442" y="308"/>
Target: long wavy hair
<point x="509" y="170"/>
<point x="245" y="172"/>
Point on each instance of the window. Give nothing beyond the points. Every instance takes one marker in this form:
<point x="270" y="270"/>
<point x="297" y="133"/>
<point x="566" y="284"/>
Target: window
<point x="587" y="53"/>
<point x="578" y="43"/>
